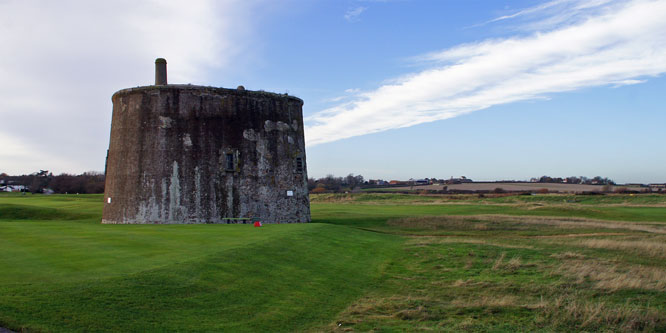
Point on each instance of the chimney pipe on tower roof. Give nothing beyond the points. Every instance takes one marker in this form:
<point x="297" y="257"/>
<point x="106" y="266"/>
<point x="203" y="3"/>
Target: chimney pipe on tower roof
<point x="160" y="72"/>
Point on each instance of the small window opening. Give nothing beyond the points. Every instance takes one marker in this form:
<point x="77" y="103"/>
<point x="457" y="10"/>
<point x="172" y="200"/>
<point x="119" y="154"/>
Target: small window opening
<point x="299" y="165"/>
<point x="229" y="161"/>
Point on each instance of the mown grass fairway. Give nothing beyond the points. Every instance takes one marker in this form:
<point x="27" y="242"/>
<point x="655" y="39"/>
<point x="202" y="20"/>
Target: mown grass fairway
<point x="382" y="262"/>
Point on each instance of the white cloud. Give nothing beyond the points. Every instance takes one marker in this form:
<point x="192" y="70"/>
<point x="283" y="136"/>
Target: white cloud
<point x="61" y="61"/>
<point x="556" y="12"/>
<point x="350" y="93"/>
<point x="353" y="13"/>
<point x="618" y="44"/>
<point x="531" y="10"/>
<point x="627" y="83"/>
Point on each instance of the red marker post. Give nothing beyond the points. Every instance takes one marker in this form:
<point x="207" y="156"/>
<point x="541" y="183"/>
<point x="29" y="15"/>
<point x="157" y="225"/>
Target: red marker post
<point x="257" y="223"/>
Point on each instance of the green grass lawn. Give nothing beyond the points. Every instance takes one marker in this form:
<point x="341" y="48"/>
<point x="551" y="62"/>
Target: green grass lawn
<point x="368" y="262"/>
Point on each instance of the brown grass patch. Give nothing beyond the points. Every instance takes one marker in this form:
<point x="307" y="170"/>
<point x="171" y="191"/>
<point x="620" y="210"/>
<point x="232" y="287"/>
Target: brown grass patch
<point x="568" y="255"/>
<point x="563" y="312"/>
<point x="650" y="248"/>
<point x="376" y="307"/>
<point x="487" y="301"/>
<point x="591" y="234"/>
<point x="566" y="311"/>
<point x="610" y="276"/>
<point x="481" y="222"/>
<point x="498" y="262"/>
<point x="511" y="265"/>
<point x="417" y="240"/>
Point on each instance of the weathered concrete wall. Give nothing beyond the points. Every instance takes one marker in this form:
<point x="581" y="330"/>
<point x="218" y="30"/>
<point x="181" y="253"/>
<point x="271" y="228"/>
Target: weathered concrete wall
<point x="190" y="154"/>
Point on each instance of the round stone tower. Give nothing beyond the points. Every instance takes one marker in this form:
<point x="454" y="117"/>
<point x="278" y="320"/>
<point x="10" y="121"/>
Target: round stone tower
<point x="194" y="154"/>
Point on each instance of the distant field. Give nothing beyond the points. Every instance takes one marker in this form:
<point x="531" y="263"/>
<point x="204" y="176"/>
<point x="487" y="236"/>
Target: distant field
<point x="552" y="187"/>
<point x="370" y="262"/>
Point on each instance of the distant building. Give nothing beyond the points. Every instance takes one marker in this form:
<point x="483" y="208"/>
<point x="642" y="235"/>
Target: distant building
<point x="380" y="182"/>
<point x="460" y="180"/>
<point x="12" y="188"/>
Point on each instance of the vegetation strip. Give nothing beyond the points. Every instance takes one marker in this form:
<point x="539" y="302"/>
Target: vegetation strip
<point x="513" y="269"/>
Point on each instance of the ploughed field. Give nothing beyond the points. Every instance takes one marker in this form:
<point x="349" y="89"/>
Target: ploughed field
<point x="368" y="262"/>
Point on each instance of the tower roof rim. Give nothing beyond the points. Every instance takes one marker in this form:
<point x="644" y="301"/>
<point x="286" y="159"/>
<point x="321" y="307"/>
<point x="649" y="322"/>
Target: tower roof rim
<point x="204" y="88"/>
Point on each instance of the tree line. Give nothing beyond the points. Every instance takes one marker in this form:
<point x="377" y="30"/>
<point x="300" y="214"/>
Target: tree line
<point x="332" y="183"/>
<point x="598" y="180"/>
<point x="45" y="182"/>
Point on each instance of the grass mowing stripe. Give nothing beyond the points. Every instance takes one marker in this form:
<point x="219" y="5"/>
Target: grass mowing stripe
<point x="367" y="215"/>
<point x="288" y="283"/>
<point x="29" y="212"/>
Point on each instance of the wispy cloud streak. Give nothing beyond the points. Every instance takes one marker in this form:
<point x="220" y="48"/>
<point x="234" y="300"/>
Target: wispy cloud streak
<point x="353" y="14"/>
<point x="617" y="46"/>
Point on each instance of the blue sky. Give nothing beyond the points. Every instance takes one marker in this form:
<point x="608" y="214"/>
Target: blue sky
<point x="392" y="89"/>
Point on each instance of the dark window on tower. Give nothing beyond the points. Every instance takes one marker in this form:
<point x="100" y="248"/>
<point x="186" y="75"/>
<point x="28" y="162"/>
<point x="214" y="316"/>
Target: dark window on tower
<point x="299" y="165"/>
<point x="229" y="162"/>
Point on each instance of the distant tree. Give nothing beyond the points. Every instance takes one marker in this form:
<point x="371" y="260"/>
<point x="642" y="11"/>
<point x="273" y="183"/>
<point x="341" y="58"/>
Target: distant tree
<point x="93" y="182"/>
<point x="573" y="180"/>
<point x="350" y="181"/>
<point x="66" y="183"/>
<point x="332" y="183"/>
<point x="88" y="182"/>
<point x="545" y="179"/>
<point x="360" y="179"/>
<point x="38" y="181"/>
<point x="312" y="183"/>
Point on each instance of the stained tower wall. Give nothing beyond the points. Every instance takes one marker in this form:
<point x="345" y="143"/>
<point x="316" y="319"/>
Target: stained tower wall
<point x="192" y="154"/>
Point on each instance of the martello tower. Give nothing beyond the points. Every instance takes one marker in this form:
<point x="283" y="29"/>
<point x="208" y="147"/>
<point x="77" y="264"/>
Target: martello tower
<point x="194" y="154"/>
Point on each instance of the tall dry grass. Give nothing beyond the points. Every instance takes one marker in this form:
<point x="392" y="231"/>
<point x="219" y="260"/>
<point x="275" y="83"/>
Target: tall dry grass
<point x="481" y="222"/>
<point x="605" y="275"/>
<point x="645" y="247"/>
<point x="567" y="255"/>
<point x="498" y="261"/>
<point x="429" y="240"/>
<point x="568" y="311"/>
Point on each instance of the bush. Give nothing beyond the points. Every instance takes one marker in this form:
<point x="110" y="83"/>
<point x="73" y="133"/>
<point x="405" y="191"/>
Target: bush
<point x="317" y="190"/>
